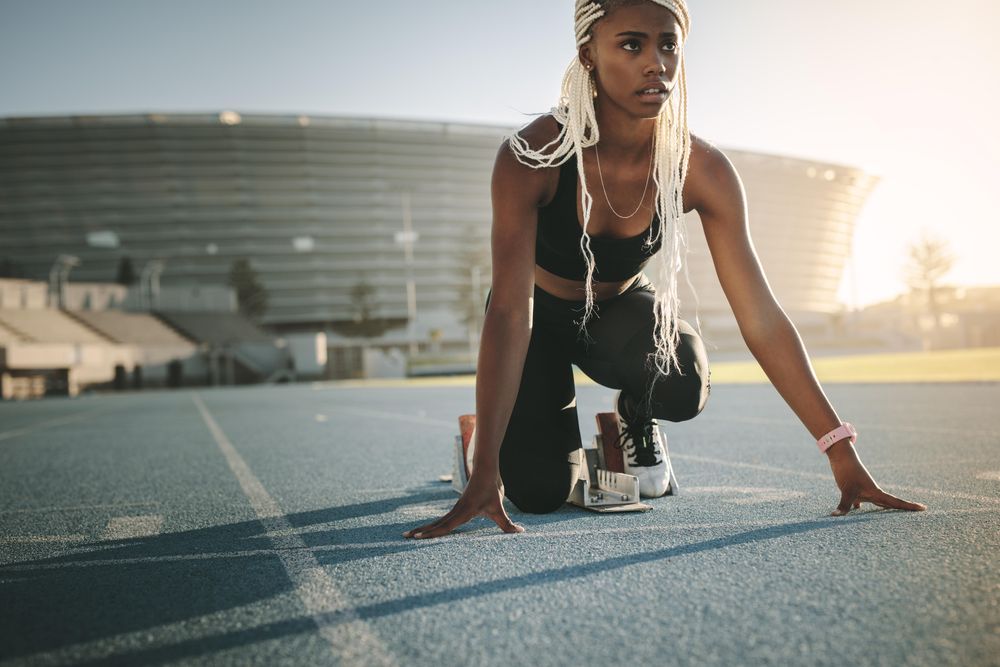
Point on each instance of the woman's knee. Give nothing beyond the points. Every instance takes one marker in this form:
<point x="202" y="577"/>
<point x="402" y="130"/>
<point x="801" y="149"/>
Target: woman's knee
<point x="686" y="398"/>
<point x="540" y="485"/>
<point x="680" y="397"/>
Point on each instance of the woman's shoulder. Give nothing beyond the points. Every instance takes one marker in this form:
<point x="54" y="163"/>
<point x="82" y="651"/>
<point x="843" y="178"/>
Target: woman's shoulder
<point x="537" y="182"/>
<point x="708" y="169"/>
<point x="540" y="132"/>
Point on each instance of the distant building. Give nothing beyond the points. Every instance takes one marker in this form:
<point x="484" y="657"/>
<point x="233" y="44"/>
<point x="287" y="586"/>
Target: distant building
<point x="324" y="207"/>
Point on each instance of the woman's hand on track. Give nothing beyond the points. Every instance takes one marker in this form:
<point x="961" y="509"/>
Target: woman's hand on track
<point x="482" y="497"/>
<point x="856" y="483"/>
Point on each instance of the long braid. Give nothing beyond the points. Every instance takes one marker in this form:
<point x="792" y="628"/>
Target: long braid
<point x="671" y="152"/>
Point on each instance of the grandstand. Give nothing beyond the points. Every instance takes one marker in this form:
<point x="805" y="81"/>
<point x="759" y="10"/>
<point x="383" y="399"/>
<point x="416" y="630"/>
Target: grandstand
<point x="50" y="350"/>
<point x="339" y="215"/>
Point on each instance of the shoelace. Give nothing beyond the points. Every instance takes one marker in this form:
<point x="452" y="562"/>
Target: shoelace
<point x="641" y="437"/>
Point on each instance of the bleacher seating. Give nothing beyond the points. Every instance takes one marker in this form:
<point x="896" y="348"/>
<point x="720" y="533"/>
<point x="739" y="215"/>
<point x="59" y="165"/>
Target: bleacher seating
<point x="9" y="336"/>
<point x="132" y="328"/>
<point x="47" y="326"/>
<point x="216" y="328"/>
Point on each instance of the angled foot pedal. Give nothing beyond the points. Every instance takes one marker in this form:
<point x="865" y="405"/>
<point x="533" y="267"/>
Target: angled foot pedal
<point x="610" y="457"/>
<point x="613" y="458"/>
<point x="464" y="447"/>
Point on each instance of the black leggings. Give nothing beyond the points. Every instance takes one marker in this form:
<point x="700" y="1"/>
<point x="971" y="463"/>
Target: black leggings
<point x="538" y="459"/>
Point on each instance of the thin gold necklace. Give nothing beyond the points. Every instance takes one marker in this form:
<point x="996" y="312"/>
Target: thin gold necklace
<point x="645" y="187"/>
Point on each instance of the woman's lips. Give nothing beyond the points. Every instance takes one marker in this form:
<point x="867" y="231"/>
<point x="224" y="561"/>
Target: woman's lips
<point x="658" y="97"/>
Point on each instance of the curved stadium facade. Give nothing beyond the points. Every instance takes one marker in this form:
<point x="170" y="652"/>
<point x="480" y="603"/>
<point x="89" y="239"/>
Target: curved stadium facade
<point x="320" y="206"/>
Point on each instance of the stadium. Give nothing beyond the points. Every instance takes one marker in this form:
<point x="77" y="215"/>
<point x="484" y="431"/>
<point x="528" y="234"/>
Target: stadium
<point x="373" y="232"/>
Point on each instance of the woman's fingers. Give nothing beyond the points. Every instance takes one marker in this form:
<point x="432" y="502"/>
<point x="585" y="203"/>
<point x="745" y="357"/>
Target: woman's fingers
<point x="876" y="497"/>
<point x="847" y="500"/>
<point x="889" y="501"/>
<point x="430" y="526"/>
<point x="506" y="525"/>
<point x="456" y="517"/>
<point x="442" y="527"/>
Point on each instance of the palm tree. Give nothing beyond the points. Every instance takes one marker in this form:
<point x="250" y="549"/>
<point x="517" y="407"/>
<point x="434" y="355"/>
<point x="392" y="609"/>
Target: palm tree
<point x="929" y="260"/>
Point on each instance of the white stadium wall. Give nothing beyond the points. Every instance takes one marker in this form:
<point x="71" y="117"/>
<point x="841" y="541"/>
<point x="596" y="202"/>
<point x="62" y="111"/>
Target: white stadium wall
<point x="316" y="204"/>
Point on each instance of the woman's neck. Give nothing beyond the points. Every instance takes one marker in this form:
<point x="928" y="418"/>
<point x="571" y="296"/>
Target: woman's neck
<point x="624" y="137"/>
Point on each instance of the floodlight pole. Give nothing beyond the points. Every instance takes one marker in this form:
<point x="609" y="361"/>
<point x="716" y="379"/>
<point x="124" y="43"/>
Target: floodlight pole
<point x="149" y="283"/>
<point x="59" y="276"/>
<point x="407" y="238"/>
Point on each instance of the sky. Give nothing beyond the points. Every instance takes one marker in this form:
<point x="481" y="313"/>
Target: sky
<point x="902" y="89"/>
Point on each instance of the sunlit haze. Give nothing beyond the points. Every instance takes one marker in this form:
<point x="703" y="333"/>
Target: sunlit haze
<point x="906" y="90"/>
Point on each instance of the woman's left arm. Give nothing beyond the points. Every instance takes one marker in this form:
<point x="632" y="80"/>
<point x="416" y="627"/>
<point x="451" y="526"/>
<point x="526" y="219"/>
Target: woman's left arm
<point x="717" y="194"/>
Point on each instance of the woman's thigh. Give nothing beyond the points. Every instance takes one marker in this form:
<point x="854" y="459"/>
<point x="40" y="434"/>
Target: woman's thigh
<point x="619" y="357"/>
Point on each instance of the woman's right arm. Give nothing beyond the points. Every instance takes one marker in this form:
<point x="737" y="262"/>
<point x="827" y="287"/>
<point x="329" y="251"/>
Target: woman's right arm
<point x="517" y="190"/>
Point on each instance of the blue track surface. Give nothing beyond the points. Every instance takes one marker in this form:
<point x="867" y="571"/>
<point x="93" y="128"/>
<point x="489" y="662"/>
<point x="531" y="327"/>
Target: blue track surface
<point x="263" y="526"/>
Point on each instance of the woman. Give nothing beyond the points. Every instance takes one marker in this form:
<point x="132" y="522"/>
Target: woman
<point x="568" y="288"/>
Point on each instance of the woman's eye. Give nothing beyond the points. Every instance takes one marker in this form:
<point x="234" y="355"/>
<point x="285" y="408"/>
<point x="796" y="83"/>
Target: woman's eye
<point x="631" y="41"/>
<point x="672" y="45"/>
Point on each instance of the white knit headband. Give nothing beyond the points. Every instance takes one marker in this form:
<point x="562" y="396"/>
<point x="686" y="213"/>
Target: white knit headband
<point x="588" y="11"/>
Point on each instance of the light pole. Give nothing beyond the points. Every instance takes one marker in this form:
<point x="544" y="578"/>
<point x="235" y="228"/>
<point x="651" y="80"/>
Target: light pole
<point x="58" y="275"/>
<point x="407" y="238"/>
<point x="474" y="324"/>
<point x="149" y="283"/>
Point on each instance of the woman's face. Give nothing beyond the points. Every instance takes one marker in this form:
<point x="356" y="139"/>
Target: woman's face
<point x="632" y="49"/>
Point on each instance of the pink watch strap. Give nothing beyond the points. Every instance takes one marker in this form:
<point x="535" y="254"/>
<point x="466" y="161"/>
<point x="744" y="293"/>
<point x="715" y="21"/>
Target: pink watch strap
<point x="845" y="430"/>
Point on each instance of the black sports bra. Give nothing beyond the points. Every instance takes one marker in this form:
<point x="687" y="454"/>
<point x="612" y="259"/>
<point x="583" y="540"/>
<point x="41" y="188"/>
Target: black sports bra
<point x="557" y="242"/>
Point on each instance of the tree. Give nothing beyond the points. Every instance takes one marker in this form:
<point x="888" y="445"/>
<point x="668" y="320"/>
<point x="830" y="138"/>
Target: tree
<point x="251" y="296"/>
<point x="929" y="260"/>
<point x="365" y="322"/>
<point x="126" y="272"/>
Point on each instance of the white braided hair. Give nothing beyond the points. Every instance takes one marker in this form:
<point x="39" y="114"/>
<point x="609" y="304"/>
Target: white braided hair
<point x="672" y="148"/>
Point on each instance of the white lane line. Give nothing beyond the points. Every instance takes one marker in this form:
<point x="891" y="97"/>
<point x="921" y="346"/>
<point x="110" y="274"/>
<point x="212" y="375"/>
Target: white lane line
<point x="142" y="560"/>
<point x="6" y="435"/>
<point x="747" y="495"/>
<point x="991" y="476"/>
<point x="862" y="426"/>
<point x="80" y="508"/>
<point x="354" y="642"/>
<point x="127" y="527"/>
<point x="414" y="419"/>
<point x="485" y="534"/>
<point x="39" y="539"/>
<point x="752" y="466"/>
<point x="896" y="488"/>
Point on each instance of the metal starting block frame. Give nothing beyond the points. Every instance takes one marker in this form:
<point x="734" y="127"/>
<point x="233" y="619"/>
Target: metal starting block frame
<point x="602" y="490"/>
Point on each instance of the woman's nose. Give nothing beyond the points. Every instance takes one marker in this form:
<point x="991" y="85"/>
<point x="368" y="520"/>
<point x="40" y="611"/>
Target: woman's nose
<point x="657" y="66"/>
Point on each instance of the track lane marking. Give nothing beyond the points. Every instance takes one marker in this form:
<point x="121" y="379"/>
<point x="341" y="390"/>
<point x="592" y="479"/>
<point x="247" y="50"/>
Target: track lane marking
<point x="354" y="641"/>
<point x="39" y="539"/>
<point x="79" y="508"/>
<point x="7" y="435"/>
<point x="898" y="488"/>
<point x="129" y="527"/>
<point x="414" y="419"/>
<point x="483" y="534"/>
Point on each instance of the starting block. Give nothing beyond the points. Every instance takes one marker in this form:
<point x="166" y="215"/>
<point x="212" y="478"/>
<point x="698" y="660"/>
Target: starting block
<point x="465" y="446"/>
<point x="602" y="490"/>
<point x="603" y="486"/>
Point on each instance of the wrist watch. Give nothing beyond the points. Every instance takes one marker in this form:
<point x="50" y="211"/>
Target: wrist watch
<point x="845" y="430"/>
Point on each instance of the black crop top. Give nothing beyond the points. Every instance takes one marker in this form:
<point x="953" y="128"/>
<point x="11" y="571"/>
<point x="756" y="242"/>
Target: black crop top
<point x="557" y="242"/>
